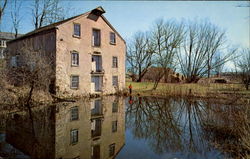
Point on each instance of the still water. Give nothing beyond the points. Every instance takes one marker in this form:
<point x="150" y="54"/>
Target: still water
<point x="114" y="127"/>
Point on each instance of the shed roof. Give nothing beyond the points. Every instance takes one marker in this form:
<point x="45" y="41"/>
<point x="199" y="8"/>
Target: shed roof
<point x="8" y="36"/>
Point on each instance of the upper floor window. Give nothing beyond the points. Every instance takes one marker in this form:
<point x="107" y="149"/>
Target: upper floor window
<point x="75" y="81"/>
<point x="115" y="62"/>
<point x="97" y="59"/>
<point x="96" y="37"/>
<point x="74" y="113"/>
<point x="3" y="43"/>
<point x="74" y="58"/>
<point x="112" y="38"/>
<point x="77" y="30"/>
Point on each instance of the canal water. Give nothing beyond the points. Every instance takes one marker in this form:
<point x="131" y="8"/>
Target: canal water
<point x="115" y="127"/>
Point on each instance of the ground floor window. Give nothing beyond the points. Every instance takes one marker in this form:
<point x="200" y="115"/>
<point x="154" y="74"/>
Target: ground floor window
<point x="97" y="108"/>
<point x="74" y="136"/>
<point x="114" y="107"/>
<point x="97" y="80"/>
<point x="111" y="150"/>
<point x="74" y="113"/>
<point x="95" y="152"/>
<point x="96" y="127"/>
<point x="115" y="81"/>
<point x="114" y="126"/>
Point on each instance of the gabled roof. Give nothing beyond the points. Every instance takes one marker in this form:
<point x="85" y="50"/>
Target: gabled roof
<point x="112" y="28"/>
<point x="99" y="10"/>
<point x="45" y="28"/>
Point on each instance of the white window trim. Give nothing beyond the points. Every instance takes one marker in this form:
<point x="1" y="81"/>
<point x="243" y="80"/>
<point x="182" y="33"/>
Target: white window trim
<point x="111" y="40"/>
<point x="71" y="78"/>
<point x="75" y="52"/>
<point x="113" y="62"/>
<point x="115" y="84"/>
<point x="74" y="35"/>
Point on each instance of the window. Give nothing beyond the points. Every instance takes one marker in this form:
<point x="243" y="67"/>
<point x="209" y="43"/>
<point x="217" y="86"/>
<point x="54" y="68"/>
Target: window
<point x="115" y="107"/>
<point x="111" y="150"/>
<point x="115" y="80"/>
<point x="77" y="30"/>
<point x="98" y="83"/>
<point x="98" y="63"/>
<point x="75" y="82"/>
<point x="74" y="136"/>
<point x="95" y="152"/>
<point x="112" y="38"/>
<point x="3" y="43"/>
<point x="74" y="58"/>
<point x="96" y="37"/>
<point x="1" y="53"/>
<point x="74" y="113"/>
<point x="97" y="109"/>
<point x="96" y="127"/>
<point x="13" y="61"/>
<point x="114" y="126"/>
<point x="115" y="62"/>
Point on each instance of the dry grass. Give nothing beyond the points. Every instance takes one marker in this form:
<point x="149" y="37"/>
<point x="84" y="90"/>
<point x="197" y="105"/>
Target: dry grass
<point x="197" y="90"/>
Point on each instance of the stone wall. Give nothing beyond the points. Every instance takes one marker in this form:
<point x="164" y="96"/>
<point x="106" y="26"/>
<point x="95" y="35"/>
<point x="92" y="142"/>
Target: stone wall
<point x="66" y="43"/>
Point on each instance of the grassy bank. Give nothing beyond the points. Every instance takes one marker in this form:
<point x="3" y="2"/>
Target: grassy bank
<point x="195" y="90"/>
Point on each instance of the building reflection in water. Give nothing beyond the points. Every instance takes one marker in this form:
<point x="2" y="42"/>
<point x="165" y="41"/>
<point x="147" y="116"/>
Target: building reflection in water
<point x="89" y="129"/>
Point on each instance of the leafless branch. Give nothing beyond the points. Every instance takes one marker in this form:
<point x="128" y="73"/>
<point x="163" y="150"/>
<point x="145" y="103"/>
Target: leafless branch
<point x="139" y="55"/>
<point x="15" y="15"/>
<point x="203" y="42"/>
<point x="243" y="64"/>
<point x="45" y="12"/>
<point x="2" y="8"/>
<point x="166" y="38"/>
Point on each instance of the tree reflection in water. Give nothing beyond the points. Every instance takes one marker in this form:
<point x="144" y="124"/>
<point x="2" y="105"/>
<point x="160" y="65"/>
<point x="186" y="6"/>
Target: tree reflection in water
<point x="96" y="129"/>
<point x="174" y="125"/>
<point x="228" y="127"/>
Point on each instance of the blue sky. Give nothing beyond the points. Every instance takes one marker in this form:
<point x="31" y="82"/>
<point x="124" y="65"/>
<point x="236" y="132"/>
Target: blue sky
<point x="129" y="17"/>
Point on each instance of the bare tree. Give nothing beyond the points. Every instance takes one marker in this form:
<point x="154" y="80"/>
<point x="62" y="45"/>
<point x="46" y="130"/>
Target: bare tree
<point x="57" y="13"/>
<point x="45" y="12"/>
<point x="201" y="44"/>
<point x="244" y="67"/>
<point x="166" y="38"/>
<point x="219" y="68"/>
<point x="15" y="15"/>
<point x="32" y="69"/>
<point x="3" y="5"/>
<point x="139" y="55"/>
